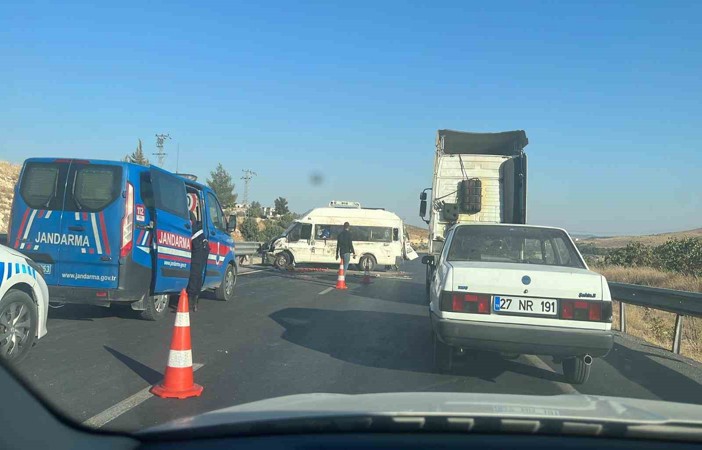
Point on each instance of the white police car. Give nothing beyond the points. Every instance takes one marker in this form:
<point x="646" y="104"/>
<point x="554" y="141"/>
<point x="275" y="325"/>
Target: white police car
<point x="518" y="289"/>
<point x="24" y="304"/>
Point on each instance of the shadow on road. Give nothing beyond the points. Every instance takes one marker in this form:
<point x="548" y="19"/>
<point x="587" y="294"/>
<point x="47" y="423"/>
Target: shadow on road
<point x="388" y="341"/>
<point x="90" y="312"/>
<point x="148" y="374"/>
<point x="395" y="291"/>
<point x="662" y="381"/>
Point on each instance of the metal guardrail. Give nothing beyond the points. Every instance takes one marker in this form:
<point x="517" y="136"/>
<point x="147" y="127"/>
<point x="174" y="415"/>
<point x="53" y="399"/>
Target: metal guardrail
<point x="681" y="303"/>
<point x="247" y="248"/>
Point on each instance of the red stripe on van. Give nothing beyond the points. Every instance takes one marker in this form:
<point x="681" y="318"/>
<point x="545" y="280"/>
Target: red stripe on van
<point x="41" y="213"/>
<point x="85" y="216"/>
<point x="173" y="257"/>
<point x="21" y="228"/>
<point x="105" y="241"/>
<point x="141" y="236"/>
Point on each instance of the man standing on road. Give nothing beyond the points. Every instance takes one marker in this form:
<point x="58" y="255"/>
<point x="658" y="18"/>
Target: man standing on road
<point x="344" y="246"/>
<point x="199" y="251"/>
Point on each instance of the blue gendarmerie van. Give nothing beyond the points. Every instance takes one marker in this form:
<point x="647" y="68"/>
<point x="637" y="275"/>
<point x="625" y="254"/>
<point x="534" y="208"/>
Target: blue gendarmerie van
<point x="114" y="232"/>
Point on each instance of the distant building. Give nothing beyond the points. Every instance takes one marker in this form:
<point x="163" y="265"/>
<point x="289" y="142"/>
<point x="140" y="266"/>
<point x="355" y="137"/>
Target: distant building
<point x="240" y="209"/>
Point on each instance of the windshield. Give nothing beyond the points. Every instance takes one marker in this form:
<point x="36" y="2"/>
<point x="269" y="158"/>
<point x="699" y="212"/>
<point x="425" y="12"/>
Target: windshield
<point x="350" y="198"/>
<point x="541" y="246"/>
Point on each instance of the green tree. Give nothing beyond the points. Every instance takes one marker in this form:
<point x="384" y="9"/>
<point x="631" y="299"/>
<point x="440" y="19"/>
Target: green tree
<point x="255" y="210"/>
<point x="273" y="229"/>
<point x="138" y="156"/>
<point x="250" y="231"/>
<point x="680" y="255"/>
<point x="281" y="206"/>
<point x="634" y="254"/>
<point x="220" y="181"/>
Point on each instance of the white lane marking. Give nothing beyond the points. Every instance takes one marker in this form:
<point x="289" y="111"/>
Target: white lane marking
<point x="329" y="289"/>
<point x="95" y="233"/>
<point x="252" y="271"/>
<point x="122" y="407"/>
<point x="538" y="362"/>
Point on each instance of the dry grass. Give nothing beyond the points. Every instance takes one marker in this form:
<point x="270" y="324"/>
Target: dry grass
<point x="651" y="239"/>
<point x="8" y="177"/>
<point x="652" y="325"/>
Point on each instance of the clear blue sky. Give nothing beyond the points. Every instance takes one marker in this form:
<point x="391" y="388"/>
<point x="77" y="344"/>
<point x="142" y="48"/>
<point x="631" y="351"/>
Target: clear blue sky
<point x="609" y="95"/>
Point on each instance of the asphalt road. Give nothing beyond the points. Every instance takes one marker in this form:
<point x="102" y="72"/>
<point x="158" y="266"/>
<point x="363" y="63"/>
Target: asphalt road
<point x="290" y="334"/>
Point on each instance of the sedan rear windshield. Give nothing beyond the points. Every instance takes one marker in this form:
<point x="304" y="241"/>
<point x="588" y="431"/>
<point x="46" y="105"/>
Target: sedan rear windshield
<point x="526" y="245"/>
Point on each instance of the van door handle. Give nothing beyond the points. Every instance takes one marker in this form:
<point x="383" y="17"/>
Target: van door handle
<point x="76" y="228"/>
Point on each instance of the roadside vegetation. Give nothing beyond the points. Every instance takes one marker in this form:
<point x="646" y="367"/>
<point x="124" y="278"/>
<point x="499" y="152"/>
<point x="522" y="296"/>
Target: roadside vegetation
<point x="675" y="264"/>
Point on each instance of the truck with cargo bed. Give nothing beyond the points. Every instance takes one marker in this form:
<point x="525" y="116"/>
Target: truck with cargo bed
<point x="478" y="178"/>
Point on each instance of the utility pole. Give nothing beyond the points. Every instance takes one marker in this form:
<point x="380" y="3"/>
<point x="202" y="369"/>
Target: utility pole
<point x="160" y="154"/>
<point x="248" y="175"/>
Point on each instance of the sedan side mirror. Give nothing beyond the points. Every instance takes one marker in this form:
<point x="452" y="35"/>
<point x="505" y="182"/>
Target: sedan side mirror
<point x="231" y="224"/>
<point x="428" y="259"/>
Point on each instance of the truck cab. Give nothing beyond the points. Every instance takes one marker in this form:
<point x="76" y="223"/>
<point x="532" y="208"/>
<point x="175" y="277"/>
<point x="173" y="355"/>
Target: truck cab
<point x="114" y="232"/>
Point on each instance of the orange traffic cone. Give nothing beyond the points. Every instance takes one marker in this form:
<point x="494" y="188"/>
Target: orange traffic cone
<point x="341" y="279"/>
<point x="178" y="381"/>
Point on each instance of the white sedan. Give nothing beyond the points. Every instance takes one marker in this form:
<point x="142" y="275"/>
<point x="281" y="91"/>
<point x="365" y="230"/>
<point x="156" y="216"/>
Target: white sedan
<point x="518" y="289"/>
<point x="24" y="304"/>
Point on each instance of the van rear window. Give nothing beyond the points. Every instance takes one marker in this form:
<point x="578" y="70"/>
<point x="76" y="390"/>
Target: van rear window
<point x="42" y="185"/>
<point x="94" y="187"/>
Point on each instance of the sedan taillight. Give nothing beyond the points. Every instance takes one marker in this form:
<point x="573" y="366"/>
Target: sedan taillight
<point x="586" y="311"/>
<point x="465" y="302"/>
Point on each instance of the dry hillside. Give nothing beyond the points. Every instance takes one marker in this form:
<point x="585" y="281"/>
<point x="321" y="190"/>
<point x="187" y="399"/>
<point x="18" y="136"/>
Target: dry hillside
<point x="419" y="237"/>
<point x="651" y="239"/>
<point x="8" y="178"/>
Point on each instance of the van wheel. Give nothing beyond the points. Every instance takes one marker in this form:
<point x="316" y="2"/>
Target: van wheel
<point x="225" y="291"/>
<point x="575" y="370"/>
<point x="156" y="307"/>
<point x="18" y="325"/>
<point x="443" y="356"/>
<point x="366" y="261"/>
<point x="282" y="260"/>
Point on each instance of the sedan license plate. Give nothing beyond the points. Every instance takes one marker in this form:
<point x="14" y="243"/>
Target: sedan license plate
<point x="517" y="305"/>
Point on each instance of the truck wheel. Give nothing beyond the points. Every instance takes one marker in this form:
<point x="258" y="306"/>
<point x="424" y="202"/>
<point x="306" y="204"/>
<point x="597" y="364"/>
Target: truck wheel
<point x="282" y="260"/>
<point x="18" y="325"/>
<point x="576" y="370"/>
<point x="156" y="307"/>
<point x="366" y="261"/>
<point x="443" y="356"/>
<point x="225" y="291"/>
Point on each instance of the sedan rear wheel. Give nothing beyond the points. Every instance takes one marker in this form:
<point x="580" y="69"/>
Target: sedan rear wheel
<point x="576" y="370"/>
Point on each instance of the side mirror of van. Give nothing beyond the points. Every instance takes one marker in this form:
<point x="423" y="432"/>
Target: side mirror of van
<point x="428" y="259"/>
<point x="231" y="224"/>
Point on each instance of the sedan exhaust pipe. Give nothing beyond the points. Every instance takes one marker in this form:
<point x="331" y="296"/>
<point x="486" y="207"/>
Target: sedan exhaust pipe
<point x="587" y="359"/>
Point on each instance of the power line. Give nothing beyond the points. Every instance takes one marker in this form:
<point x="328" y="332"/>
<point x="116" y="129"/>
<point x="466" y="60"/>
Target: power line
<point x="160" y="154"/>
<point x="248" y="175"/>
